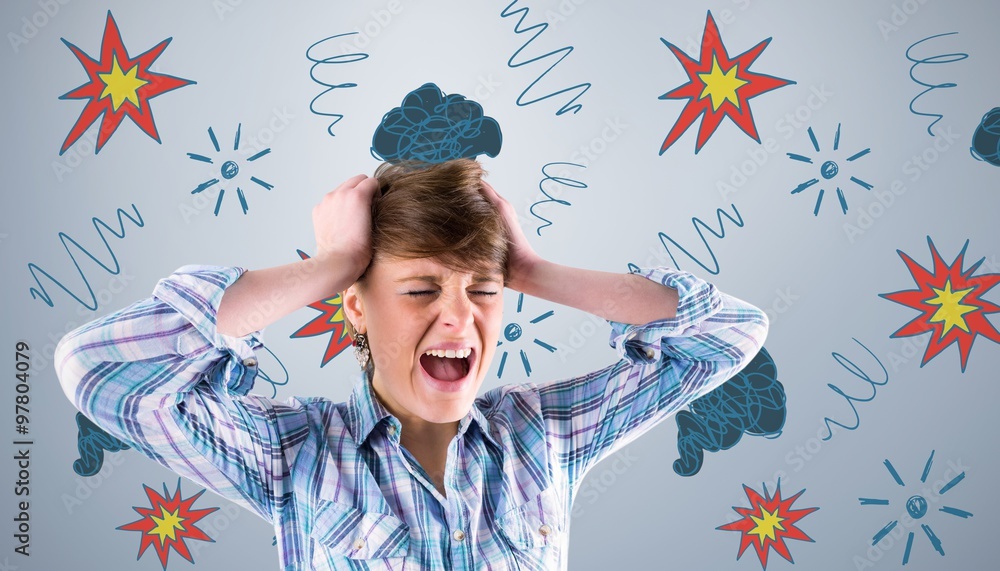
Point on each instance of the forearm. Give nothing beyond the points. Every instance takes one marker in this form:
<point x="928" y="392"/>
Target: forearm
<point x="626" y="298"/>
<point x="261" y="297"/>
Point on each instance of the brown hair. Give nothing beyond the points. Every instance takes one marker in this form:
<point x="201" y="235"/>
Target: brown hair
<point x="437" y="211"/>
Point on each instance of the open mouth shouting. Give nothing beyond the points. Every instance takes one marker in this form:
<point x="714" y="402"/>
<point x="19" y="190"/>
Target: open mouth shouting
<point x="448" y="369"/>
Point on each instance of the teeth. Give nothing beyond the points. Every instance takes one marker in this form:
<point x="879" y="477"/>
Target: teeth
<point x="450" y="353"/>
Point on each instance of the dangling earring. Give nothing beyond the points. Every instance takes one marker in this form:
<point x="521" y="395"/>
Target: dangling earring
<point x="361" y="351"/>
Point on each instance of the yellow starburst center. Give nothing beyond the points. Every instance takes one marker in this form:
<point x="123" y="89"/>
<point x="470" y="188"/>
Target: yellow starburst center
<point x="721" y="85"/>
<point x="951" y="310"/>
<point x="767" y="524"/>
<point x="166" y="525"/>
<point x="338" y="316"/>
<point x="121" y="86"/>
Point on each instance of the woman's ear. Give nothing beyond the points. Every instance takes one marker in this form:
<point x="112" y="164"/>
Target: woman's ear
<point x="354" y="308"/>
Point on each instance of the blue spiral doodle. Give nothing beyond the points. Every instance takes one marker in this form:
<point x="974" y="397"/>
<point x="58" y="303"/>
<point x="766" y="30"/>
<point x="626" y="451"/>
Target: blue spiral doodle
<point x="938" y="59"/>
<point x="332" y="60"/>
<point x="557" y="179"/>
<point x="541" y="27"/>
<point x="752" y="402"/>
<point x="36" y="293"/>
<point x="432" y="127"/>
<point x="986" y="139"/>
<point x="93" y="441"/>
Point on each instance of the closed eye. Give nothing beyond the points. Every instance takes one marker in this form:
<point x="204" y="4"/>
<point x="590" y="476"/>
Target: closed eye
<point x="429" y="292"/>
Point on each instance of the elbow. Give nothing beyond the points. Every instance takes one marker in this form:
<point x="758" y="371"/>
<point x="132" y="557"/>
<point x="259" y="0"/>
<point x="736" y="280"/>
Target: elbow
<point x="755" y="330"/>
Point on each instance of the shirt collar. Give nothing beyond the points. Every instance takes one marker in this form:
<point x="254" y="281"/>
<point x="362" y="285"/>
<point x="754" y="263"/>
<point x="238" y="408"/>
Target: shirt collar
<point x="366" y="412"/>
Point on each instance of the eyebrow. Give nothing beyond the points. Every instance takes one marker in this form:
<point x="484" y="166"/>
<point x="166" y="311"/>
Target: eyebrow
<point x="478" y="279"/>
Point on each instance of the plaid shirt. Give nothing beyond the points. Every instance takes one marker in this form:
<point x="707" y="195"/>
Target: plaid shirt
<point x="332" y="477"/>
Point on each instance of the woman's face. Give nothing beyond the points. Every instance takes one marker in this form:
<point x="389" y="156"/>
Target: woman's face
<point x="408" y="307"/>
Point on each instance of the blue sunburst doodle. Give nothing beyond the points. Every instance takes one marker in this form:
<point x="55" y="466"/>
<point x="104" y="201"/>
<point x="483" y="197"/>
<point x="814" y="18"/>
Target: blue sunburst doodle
<point x="513" y="332"/>
<point x="228" y="170"/>
<point x="916" y="508"/>
<point x="828" y="171"/>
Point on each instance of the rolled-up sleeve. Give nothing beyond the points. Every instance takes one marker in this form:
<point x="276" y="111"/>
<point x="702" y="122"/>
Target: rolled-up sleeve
<point x="663" y="366"/>
<point x="158" y="375"/>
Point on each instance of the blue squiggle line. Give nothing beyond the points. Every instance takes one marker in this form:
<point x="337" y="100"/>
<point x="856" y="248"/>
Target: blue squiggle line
<point x="559" y="179"/>
<point x="857" y="372"/>
<point x="267" y="378"/>
<point x="938" y="59"/>
<point x="569" y="106"/>
<point x="738" y="221"/>
<point x="332" y="60"/>
<point x="36" y="293"/>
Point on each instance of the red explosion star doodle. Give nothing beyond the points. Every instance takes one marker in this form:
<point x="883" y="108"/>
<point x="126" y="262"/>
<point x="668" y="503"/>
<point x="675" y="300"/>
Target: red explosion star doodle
<point x="718" y="86"/>
<point x="950" y="304"/>
<point x="331" y="319"/>
<point x="168" y="522"/>
<point x="771" y="520"/>
<point x="118" y="86"/>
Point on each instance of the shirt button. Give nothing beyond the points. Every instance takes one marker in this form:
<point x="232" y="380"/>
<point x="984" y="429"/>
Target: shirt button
<point x="545" y="529"/>
<point x="650" y="353"/>
<point x="250" y="362"/>
<point x="392" y="430"/>
<point x="359" y="543"/>
<point x="458" y="535"/>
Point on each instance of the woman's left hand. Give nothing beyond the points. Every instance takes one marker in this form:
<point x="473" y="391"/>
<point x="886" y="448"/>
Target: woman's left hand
<point x="522" y="258"/>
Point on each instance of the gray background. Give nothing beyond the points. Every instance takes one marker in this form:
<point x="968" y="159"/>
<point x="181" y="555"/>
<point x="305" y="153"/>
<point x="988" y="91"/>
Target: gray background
<point x="250" y="67"/>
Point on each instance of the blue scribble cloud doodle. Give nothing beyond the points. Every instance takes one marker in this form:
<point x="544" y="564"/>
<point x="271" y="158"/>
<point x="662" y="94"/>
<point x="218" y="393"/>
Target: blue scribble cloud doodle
<point x="986" y="139"/>
<point x="92" y="442"/>
<point x="752" y="402"/>
<point x="432" y="127"/>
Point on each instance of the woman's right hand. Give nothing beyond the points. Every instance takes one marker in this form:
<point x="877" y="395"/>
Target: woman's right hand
<point x="342" y="222"/>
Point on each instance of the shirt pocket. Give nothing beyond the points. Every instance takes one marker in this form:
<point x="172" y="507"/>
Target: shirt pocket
<point x="350" y="533"/>
<point x="536" y="524"/>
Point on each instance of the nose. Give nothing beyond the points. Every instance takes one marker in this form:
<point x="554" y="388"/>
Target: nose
<point x="456" y="310"/>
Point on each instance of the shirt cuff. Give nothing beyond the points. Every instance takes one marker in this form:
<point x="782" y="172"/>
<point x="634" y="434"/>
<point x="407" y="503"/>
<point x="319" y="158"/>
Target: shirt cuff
<point x="195" y="291"/>
<point x="697" y="300"/>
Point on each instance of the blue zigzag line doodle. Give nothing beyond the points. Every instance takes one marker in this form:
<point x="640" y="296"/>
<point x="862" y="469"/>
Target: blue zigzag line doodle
<point x="559" y="179"/>
<point x="698" y="225"/>
<point x="332" y="60"/>
<point x="938" y="59"/>
<point x="571" y="105"/>
<point x="36" y="293"/>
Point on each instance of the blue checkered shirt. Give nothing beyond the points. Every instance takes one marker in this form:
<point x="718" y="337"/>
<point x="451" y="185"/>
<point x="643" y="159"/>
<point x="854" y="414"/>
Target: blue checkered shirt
<point x="332" y="477"/>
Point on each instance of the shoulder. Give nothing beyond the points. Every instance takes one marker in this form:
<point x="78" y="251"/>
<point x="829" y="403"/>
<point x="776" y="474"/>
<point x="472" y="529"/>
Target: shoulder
<point x="507" y="399"/>
<point x="513" y="413"/>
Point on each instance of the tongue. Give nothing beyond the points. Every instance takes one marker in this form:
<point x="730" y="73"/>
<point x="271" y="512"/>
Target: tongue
<point x="443" y="368"/>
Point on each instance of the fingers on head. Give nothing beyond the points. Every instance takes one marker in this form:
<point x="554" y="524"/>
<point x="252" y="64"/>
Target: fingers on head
<point x="369" y="184"/>
<point x="353" y="181"/>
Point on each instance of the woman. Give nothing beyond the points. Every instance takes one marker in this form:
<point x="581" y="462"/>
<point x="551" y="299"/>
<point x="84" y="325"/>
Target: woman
<point x="413" y="472"/>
